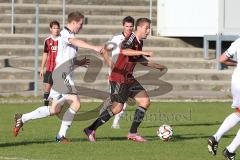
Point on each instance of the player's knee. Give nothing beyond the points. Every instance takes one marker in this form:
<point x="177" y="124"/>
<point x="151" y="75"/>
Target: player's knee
<point x="55" y="111"/>
<point x="238" y="111"/>
<point x="76" y="105"/>
<point x="47" y="88"/>
<point x="145" y="103"/>
<point x="116" y="110"/>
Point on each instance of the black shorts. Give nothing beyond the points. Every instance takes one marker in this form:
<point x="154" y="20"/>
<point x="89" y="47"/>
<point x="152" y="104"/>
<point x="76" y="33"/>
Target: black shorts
<point x="120" y="92"/>
<point x="48" y="78"/>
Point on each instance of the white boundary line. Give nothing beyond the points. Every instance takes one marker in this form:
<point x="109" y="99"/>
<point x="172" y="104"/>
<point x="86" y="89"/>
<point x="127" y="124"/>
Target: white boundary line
<point x="13" y="158"/>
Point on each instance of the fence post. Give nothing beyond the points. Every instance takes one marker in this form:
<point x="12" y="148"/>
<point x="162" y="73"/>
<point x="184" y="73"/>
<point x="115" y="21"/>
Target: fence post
<point x="12" y="19"/>
<point x="64" y="11"/>
<point x="36" y="49"/>
<point x="150" y="15"/>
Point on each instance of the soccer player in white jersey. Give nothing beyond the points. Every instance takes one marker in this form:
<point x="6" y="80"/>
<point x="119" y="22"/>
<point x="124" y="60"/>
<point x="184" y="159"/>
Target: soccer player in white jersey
<point x="128" y="25"/>
<point x="67" y="51"/>
<point x="234" y="118"/>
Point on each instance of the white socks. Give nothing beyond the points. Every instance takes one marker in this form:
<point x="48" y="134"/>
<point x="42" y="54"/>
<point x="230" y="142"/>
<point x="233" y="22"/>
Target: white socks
<point x="40" y="112"/>
<point x="235" y="143"/>
<point x="66" y="122"/>
<point x="228" y="123"/>
<point x="119" y="115"/>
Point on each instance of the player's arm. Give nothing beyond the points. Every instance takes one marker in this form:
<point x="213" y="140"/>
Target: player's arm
<point x="107" y="59"/>
<point x="44" y="58"/>
<point x="155" y="65"/>
<point x="82" y="44"/>
<point x="126" y="46"/>
<point x="43" y="63"/>
<point x="131" y="52"/>
<point x="108" y="48"/>
<point x="226" y="60"/>
<point x="152" y="64"/>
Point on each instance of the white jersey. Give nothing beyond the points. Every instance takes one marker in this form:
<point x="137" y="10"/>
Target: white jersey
<point x="66" y="50"/>
<point x="117" y="40"/>
<point x="234" y="50"/>
<point x="63" y="72"/>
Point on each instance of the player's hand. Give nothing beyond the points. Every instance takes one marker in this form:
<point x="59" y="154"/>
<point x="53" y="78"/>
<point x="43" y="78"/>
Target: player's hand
<point x="41" y="74"/>
<point x="161" y="67"/>
<point x="111" y="64"/>
<point x="148" y="54"/>
<point x="83" y="62"/>
<point x="99" y="49"/>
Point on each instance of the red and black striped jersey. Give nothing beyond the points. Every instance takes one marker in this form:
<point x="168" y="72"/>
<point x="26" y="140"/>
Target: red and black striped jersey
<point x="124" y="66"/>
<point x="51" y="48"/>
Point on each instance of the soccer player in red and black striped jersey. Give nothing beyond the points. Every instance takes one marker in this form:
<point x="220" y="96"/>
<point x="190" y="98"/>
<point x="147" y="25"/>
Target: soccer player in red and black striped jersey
<point x="114" y="43"/>
<point x="124" y="85"/>
<point x="48" y="58"/>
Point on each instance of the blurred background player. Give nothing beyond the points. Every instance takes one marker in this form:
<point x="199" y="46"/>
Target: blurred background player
<point x="67" y="52"/>
<point x="234" y="118"/>
<point x="48" y="59"/>
<point x="115" y="42"/>
<point x="124" y="85"/>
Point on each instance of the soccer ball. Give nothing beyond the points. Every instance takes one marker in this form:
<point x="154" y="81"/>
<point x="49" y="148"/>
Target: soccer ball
<point x="165" y="132"/>
<point x="109" y="46"/>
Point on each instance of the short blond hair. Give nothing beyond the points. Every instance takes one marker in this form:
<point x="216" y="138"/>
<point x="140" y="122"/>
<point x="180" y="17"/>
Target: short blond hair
<point x="75" y="16"/>
<point x="141" y="21"/>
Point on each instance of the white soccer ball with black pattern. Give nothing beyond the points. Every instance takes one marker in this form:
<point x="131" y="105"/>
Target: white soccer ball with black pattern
<point x="165" y="132"/>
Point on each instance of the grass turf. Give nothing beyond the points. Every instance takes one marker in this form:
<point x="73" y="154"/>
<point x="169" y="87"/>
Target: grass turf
<point x="192" y="123"/>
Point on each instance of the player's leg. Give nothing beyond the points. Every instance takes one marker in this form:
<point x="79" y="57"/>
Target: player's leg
<point x="232" y="120"/>
<point x="229" y="151"/>
<point x="106" y="115"/>
<point x="20" y="119"/>
<point x="143" y="101"/>
<point x="41" y="112"/>
<point x="68" y="116"/>
<point x="118" y="98"/>
<point x="229" y="155"/>
<point x="90" y="131"/>
<point x="47" y="87"/>
<point x="117" y="117"/>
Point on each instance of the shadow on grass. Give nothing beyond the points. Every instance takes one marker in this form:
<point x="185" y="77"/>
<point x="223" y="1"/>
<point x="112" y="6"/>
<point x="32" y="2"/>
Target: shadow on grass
<point x="176" y="138"/>
<point x="199" y="124"/>
<point x="99" y="139"/>
<point x="15" y="144"/>
<point x="73" y="140"/>
<point x="189" y="124"/>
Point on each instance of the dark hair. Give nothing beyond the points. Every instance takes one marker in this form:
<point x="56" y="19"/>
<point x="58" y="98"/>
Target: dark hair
<point x="75" y="16"/>
<point x="54" y="22"/>
<point x="128" y="19"/>
<point x="140" y="22"/>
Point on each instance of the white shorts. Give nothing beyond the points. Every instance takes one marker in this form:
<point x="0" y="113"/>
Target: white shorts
<point x="235" y="89"/>
<point x="61" y="88"/>
<point x="57" y="97"/>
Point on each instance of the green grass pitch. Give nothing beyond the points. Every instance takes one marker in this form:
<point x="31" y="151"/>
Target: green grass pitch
<point x="192" y="123"/>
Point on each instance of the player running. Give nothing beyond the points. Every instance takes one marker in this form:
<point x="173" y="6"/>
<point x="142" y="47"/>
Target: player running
<point x="115" y="42"/>
<point x="124" y="85"/>
<point x="48" y="59"/>
<point x="234" y="118"/>
<point x="67" y="52"/>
